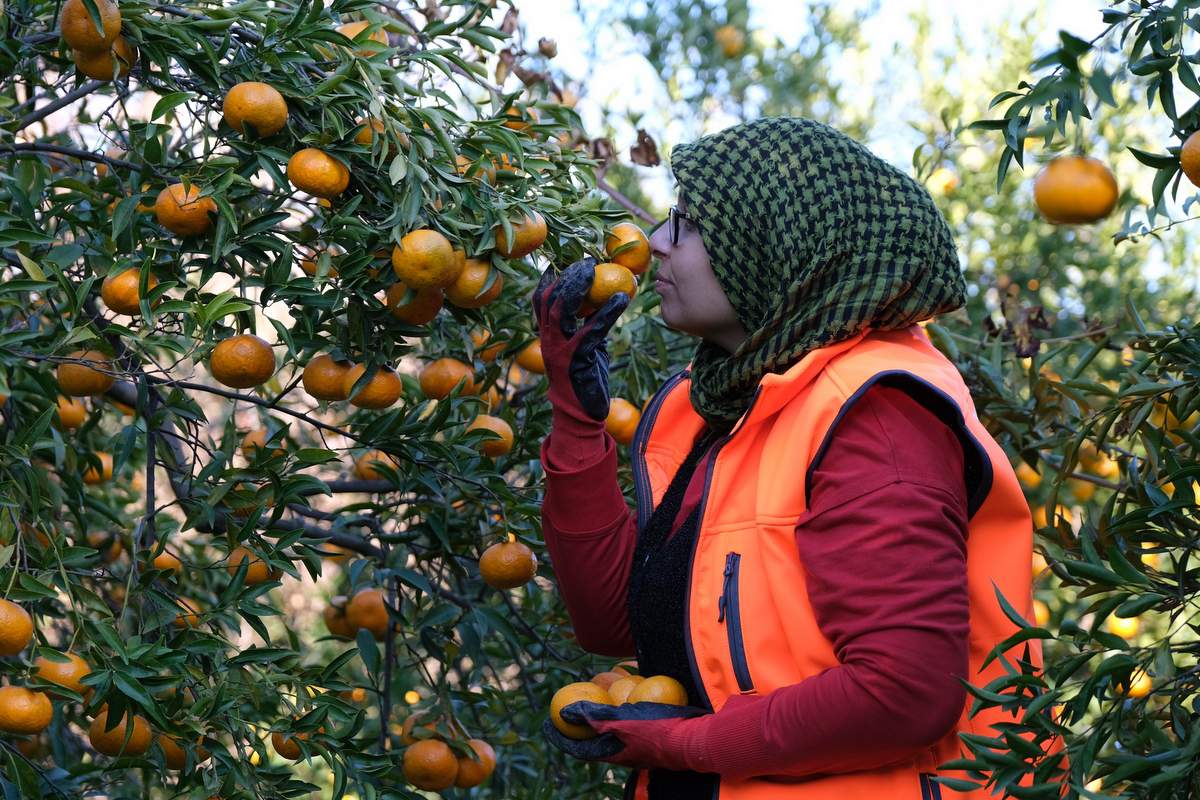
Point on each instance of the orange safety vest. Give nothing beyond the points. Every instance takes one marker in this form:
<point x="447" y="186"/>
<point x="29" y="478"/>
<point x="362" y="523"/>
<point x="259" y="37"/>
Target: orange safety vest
<point x="745" y="558"/>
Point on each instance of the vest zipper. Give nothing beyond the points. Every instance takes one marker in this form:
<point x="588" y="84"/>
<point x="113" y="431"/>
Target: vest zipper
<point x="728" y="605"/>
<point x="641" y="481"/>
<point x="929" y="789"/>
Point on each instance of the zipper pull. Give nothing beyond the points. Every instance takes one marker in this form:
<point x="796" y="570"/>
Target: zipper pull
<point x="725" y="588"/>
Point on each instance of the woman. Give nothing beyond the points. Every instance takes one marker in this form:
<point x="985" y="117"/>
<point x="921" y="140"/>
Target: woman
<point x="822" y="523"/>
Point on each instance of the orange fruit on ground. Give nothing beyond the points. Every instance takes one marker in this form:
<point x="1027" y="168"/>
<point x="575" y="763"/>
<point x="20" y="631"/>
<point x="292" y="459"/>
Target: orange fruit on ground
<point x="430" y="764"/>
<point x="609" y="279"/>
<point x="318" y="173"/>
<point x="1189" y="158"/>
<point x="606" y="679"/>
<point x="530" y="357"/>
<point x="335" y="618"/>
<point x="1072" y="190"/>
<point x="636" y="258"/>
<point x="258" y="104"/>
<point x="620" y="688"/>
<point x="467" y="290"/>
<point x="419" y="308"/>
<point x="438" y="377"/>
<point x="255" y="441"/>
<point x="242" y="361"/>
<point x="622" y="419"/>
<point x="574" y="693"/>
<point x="112" y="742"/>
<point x="92" y="476"/>
<point x="103" y="64"/>
<point x="659" y="689"/>
<point x="168" y="562"/>
<point x="425" y="259"/>
<point x="472" y="772"/>
<point x="324" y="378"/>
<point x="69" y="673"/>
<point x="507" y="565"/>
<point x="383" y="390"/>
<point x="70" y="412"/>
<point x="366" y="468"/>
<point x="183" y="211"/>
<point x="257" y="571"/>
<point x="16" y="628"/>
<point x="24" y="710"/>
<point x="366" y="609"/>
<point x="351" y="30"/>
<point x="493" y="448"/>
<point x="528" y="235"/>
<point x="120" y="292"/>
<point x="87" y="378"/>
<point x="79" y="30"/>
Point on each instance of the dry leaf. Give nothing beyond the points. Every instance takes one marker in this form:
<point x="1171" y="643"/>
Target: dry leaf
<point x="547" y="47"/>
<point x="645" y="152"/>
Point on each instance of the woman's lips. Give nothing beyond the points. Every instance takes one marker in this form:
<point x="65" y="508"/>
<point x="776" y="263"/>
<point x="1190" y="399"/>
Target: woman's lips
<point x="661" y="282"/>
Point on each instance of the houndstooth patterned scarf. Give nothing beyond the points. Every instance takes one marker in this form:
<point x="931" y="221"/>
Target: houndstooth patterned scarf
<point x="813" y="238"/>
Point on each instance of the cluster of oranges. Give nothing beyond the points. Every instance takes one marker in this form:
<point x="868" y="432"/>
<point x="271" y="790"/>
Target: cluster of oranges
<point x="98" y="52"/>
<point x="614" y="687"/>
<point x="430" y="763"/>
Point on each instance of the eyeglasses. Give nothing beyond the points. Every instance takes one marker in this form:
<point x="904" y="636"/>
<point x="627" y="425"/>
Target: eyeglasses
<point x="673" y="217"/>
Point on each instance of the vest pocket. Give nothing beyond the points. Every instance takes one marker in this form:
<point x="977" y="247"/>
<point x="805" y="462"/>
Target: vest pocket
<point x="729" y="612"/>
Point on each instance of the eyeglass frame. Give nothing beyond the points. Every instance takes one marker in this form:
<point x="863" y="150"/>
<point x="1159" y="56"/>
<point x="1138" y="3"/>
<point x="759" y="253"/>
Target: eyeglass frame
<point x="672" y="219"/>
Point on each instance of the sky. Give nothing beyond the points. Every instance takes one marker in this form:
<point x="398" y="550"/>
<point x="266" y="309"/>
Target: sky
<point x="626" y="81"/>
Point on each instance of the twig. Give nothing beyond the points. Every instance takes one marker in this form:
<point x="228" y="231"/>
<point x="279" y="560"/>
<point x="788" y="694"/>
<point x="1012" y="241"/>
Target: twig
<point x="62" y="102"/>
<point x="624" y="201"/>
<point x="73" y="152"/>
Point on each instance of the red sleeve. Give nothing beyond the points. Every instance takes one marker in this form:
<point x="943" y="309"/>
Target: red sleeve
<point x="590" y="533"/>
<point x="884" y="548"/>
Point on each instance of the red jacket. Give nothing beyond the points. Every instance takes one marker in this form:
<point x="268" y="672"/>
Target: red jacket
<point x="883" y="543"/>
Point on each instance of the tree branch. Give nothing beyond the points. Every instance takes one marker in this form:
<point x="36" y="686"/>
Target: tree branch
<point x="73" y="152"/>
<point x="62" y="102"/>
<point x="624" y="201"/>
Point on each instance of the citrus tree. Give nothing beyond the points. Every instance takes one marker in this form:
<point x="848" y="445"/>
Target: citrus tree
<point x="271" y="398"/>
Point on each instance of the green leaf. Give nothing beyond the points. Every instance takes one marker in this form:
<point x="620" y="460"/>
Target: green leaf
<point x="1157" y="161"/>
<point x="168" y="102"/>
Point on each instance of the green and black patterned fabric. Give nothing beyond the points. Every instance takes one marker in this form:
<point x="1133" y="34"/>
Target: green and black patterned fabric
<point x="813" y="238"/>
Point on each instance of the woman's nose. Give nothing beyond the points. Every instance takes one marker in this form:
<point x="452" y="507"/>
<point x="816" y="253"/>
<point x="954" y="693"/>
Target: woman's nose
<point x="660" y="242"/>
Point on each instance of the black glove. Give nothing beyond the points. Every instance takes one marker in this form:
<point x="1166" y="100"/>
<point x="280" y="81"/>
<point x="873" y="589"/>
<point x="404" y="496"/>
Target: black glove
<point x="631" y="734"/>
<point x="576" y="360"/>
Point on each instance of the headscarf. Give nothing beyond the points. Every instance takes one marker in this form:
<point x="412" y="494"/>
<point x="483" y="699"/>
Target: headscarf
<point x="813" y="239"/>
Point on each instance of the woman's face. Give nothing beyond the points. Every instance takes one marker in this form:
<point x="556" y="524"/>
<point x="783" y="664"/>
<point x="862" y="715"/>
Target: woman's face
<point x="692" y="299"/>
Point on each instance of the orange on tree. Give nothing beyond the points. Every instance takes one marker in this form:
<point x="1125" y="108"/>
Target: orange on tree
<point x="86" y="378"/>
<point x="188" y="616"/>
<point x="1075" y="189"/>
<point x="382" y="391"/>
<point x="93" y="476"/>
<point x="168" y="562"/>
<point x="659" y="689"/>
<point x="358" y="695"/>
<point x="109" y="545"/>
<point x="609" y="279"/>
<point x="24" y="711"/>
<point x="620" y="689"/>
<point x="530" y="357"/>
<point x="174" y="756"/>
<point x="1140" y="684"/>
<point x="1189" y="158"/>
<point x="324" y="377"/>
<point x="70" y="413"/>
<point x="1027" y="475"/>
<point x="69" y="673"/>
<point x="183" y="211"/>
<point x="636" y="256"/>
<point x="257" y="440"/>
<point x="529" y="233"/>
<point x="351" y="30"/>
<point x="430" y="764"/>
<point x="318" y="173"/>
<point x="574" y="693"/>
<point x="109" y="152"/>
<point x="366" y="466"/>
<point x="507" y="565"/>
<point x="80" y="32"/>
<point x="438" y="377"/>
<point x="335" y="618"/>
<point x="425" y="720"/>
<point x="622" y="419"/>
<point x="493" y="448"/>
<point x="120" y="292"/>
<point x="1039" y="564"/>
<point x="372" y="126"/>
<point x="112" y="741"/>
<point x="257" y="569"/>
<point x="467" y="291"/>
<point x="1125" y="627"/>
<point x="285" y="745"/>
<point x="731" y="40"/>
<point x="312" y="268"/>
<point x="488" y="354"/>
<point x="367" y="609"/>
<point x="519" y="119"/>
<point x="491" y="398"/>
<point x="102" y="65"/>
<point x="425" y="259"/>
<point x="1041" y="613"/>
<point x="474" y="771"/>
<point x="414" y="306"/>
<point x="16" y="628"/>
<point x="257" y="104"/>
<point x="242" y="361"/>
